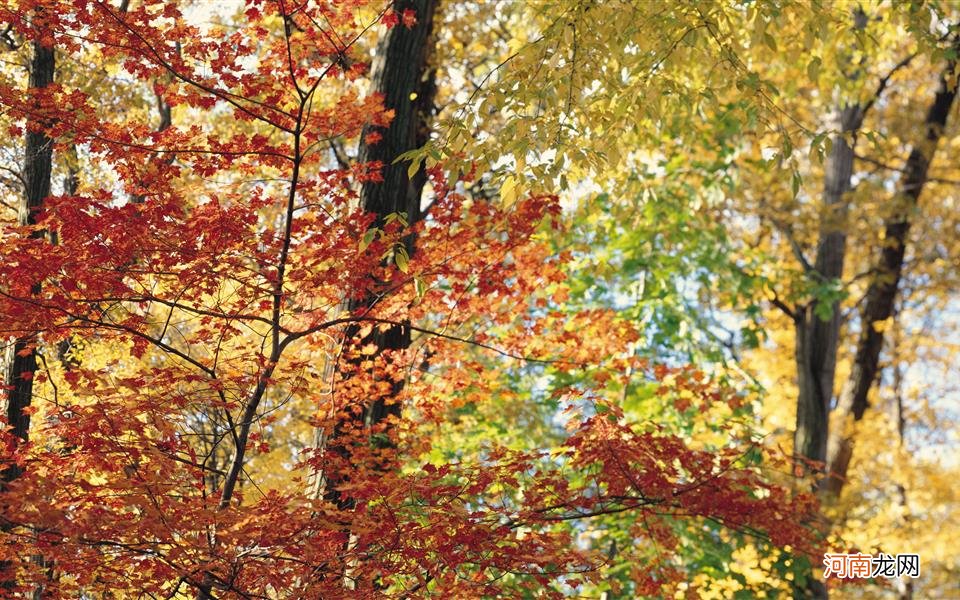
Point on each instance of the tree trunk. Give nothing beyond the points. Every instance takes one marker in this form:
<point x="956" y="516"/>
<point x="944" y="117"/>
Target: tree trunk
<point x="402" y="73"/>
<point x="37" y="167"/>
<point x="883" y="289"/>
<point x="816" y="343"/>
<point x="166" y="121"/>
<point x="817" y="338"/>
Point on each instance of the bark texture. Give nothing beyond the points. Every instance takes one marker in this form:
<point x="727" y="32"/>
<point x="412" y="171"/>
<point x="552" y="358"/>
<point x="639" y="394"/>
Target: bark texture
<point x="37" y="166"/>
<point x="402" y="74"/>
<point x="817" y="339"/>
<point x="815" y="349"/>
<point x="882" y="291"/>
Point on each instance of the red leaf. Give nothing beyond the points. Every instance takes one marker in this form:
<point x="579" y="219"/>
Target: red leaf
<point x="390" y="19"/>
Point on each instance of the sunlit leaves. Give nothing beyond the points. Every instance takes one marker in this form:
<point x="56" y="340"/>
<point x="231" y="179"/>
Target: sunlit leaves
<point x="204" y="285"/>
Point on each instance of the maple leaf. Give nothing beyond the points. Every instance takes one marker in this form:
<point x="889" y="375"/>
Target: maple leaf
<point x="390" y="19"/>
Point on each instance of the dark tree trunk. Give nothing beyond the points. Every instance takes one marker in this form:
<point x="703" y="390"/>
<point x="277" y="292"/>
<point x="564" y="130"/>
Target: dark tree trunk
<point x="37" y="167"/>
<point x="402" y="73"/>
<point x="817" y="338"/>
<point x="883" y="289"/>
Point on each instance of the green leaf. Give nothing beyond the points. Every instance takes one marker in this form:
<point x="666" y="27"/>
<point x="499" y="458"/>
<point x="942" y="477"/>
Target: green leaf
<point x="401" y="258"/>
<point x="397" y="216"/>
<point x="414" y="167"/>
<point x="816" y="147"/>
<point x="368" y="238"/>
<point x="770" y="41"/>
<point x="813" y="69"/>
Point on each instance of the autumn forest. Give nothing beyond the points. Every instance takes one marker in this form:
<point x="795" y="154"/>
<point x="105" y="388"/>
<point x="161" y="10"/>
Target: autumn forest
<point x="610" y="299"/>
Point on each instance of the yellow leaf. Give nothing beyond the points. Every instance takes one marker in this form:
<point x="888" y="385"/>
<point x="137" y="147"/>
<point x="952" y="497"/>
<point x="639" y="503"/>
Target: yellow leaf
<point x="508" y="191"/>
<point x="402" y="262"/>
<point x="881" y="326"/>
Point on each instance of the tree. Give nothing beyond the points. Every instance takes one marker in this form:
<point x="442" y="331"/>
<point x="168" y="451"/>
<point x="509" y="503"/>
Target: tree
<point x="882" y="95"/>
<point x="402" y="75"/>
<point x="817" y="322"/>
<point x="882" y="291"/>
<point x="35" y="177"/>
<point x="37" y="166"/>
